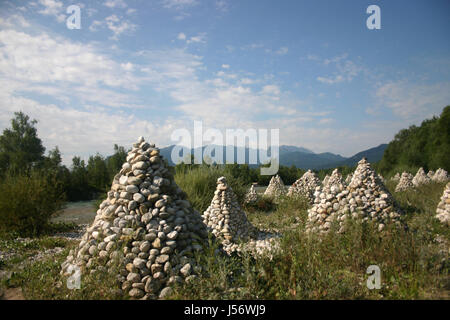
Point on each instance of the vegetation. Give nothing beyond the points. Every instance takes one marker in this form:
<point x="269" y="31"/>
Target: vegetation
<point x="426" y="146"/>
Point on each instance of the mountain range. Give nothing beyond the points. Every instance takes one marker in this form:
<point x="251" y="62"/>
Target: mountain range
<point x="298" y="156"/>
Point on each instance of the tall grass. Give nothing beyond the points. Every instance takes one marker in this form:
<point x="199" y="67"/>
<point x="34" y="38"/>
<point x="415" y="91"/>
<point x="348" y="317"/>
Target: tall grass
<point x="200" y="182"/>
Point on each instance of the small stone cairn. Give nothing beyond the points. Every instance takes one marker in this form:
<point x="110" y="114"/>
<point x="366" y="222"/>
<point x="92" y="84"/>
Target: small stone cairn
<point x="420" y="178"/>
<point x="430" y="174"/>
<point x="305" y="186"/>
<point x="396" y="178"/>
<point x="441" y="176"/>
<point x="348" y="179"/>
<point x="226" y="220"/>
<point x="405" y="182"/>
<point x="251" y="196"/>
<point x="443" y="208"/>
<point x="145" y="230"/>
<point x="275" y="187"/>
<point x="325" y="180"/>
<point x="365" y="198"/>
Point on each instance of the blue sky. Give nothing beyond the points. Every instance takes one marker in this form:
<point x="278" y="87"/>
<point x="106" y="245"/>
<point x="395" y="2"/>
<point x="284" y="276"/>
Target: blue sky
<point x="310" y="68"/>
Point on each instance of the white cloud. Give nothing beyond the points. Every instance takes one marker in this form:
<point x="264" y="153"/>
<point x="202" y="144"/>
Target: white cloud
<point x="53" y="8"/>
<point x="413" y="102"/>
<point x="200" y="38"/>
<point x="115" y="4"/>
<point x="13" y="20"/>
<point x="222" y="5"/>
<point x="181" y="36"/>
<point x="226" y="66"/>
<point x="271" y="89"/>
<point x="179" y="4"/>
<point x="131" y="11"/>
<point x="282" y="51"/>
<point x="346" y="70"/>
<point x="118" y="26"/>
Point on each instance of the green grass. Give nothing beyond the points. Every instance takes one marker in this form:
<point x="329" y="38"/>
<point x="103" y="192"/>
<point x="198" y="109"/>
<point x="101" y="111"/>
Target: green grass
<point x="414" y="262"/>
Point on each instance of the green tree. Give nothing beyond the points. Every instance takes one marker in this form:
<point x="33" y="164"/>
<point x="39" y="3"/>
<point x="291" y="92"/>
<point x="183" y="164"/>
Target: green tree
<point x="20" y="147"/>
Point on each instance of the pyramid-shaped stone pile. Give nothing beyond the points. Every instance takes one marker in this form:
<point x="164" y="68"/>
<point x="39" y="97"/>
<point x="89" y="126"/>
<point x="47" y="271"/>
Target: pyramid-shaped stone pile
<point x="443" y="208"/>
<point x="430" y="174"/>
<point x="405" y="182"/>
<point x="145" y="228"/>
<point x="251" y="196"/>
<point x="396" y="178"/>
<point x="335" y="180"/>
<point x="441" y="176"/>
<point x="275" y="187"/>
<point x="305" y="186"/>
<point x="226" y="220"/>
<point x="420" y="178"/>
<point x="325" y="180"/>
<point x="365" y="198"/>
<point x="348" y="179"/>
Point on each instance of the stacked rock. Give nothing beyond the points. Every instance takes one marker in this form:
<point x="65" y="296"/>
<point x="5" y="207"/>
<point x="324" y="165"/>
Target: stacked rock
<point x="405" y="182"/>
<point x="349" y="178"/>
<point x="430" y="174"/>
<point x="145" y="228"/>
<point x="420" y="178"/>
<point x="228" y="222"/>
<point x="275" y="187"/>
<point x="305" y="186"/>
<point x="441" y="176"/>
<point x="334" y="180"/>
<point x="325" y="180"/>
<point x="251" y="196"/>
<point x="365" y="198"/>
<point x="396" y="178"/>
<point x="443" y="208"/>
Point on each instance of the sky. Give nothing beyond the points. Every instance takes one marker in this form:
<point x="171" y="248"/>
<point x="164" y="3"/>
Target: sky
<point x="311" y="69"/>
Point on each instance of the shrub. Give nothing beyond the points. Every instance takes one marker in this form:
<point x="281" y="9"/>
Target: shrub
<point x="200" y="182"/>
<point x="27" y="202"/>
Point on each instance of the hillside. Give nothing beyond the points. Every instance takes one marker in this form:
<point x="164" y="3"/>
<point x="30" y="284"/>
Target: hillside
<point x="427" y="146"/>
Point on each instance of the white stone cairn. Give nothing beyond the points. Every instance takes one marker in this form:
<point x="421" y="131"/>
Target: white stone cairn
<point x="305" y="186"/>
<point x="420" y="178"/>
<point x="145" y="230"/>
<point x="275" y="187"/>
<point x="226" y="220"/>
<point x="405" y="182"/>
<point x="365" y="198"/>
<point x="443" y="208"/>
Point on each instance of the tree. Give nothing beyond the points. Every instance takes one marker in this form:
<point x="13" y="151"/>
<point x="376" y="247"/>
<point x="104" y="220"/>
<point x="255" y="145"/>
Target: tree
<point x="20" y="147"/>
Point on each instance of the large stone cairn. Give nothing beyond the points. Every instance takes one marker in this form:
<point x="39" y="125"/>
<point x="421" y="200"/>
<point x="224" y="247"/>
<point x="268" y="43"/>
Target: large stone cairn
<point x="305" y="186"/>
<point x="365" y="198"/>
<point x="441" y="176"/>
<point x="145" y="228"/>
<point x="226" y="220"/>
<point x="443" y="208"/>
<point x="405" y="182"/>
<point x="275" y="187"/>
<point x="420" y="178"/>
<point x="251" y="196"/>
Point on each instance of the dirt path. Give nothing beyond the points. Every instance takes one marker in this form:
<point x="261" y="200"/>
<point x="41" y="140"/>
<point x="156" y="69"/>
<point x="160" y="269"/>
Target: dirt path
<point x="11" y="294"/>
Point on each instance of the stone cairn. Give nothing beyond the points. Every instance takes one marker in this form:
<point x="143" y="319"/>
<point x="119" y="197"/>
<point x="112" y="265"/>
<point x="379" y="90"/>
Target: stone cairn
<point x="396" y="178"/>
<point x="145" y="229"/>
<point x="334" y="180"/>
<point x="405" y="182"/>
<point x="305" y="186"/>
<point x="443" y="208"/>
<point x="441" y="176"/>
<point x="365" y="198"/>
<point x="275" y="187"/>
<point x="251" y="196"/>
<point x="420" y="178"/>
<point x="430" y="174"/>
<point x="325" y="180"/>
<point x="226" y="220"/>
<point x="349" y="178"/>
